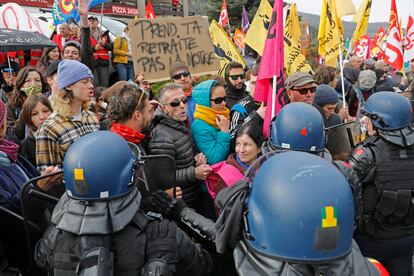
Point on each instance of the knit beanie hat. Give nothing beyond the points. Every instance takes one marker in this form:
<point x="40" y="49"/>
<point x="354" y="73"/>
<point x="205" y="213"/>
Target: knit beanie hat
<point x="71" y="71"/>
<point x="325" y="95"/>
<point x="367" y="79"/>
<point x="3" y="112"/>
<point x="178" y="66"/>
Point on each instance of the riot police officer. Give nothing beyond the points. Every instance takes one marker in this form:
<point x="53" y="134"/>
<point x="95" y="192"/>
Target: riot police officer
<point x="298" y="214"/>
<point x="300" y="127"/>
<point x="98" y="227"/>
<point x="384" y="163"/>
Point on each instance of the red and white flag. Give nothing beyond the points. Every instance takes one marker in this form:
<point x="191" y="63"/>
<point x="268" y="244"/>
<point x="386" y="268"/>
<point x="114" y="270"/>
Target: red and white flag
<point x="409" y="40"/>
<point x="224" y="15"/>
<point x="393" y="49"/>
<point x="362" y="47"/>
<point x="149" y="11"/>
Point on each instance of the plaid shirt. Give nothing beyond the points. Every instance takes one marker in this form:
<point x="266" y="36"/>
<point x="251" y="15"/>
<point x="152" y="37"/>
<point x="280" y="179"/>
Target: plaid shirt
<point x="57" y="133"/>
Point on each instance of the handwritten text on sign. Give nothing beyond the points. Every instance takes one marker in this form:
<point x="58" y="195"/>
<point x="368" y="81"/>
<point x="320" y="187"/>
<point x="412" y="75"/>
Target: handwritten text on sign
<point x="157" y="43"/>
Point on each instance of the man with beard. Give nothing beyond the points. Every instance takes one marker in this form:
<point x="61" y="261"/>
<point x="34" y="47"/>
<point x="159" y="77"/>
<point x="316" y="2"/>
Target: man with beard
<point x="235" y="78"/>
<point x="131" y="113"/>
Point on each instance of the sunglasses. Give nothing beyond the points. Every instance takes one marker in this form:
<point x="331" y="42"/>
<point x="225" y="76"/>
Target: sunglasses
<point x="179" y="75"/>
<point x="236" y="77"/>
<point x="177" y="102"/>
<point x="219" y="100"/>
<point x="140" y="90"/>
<point x="304" y="91"/>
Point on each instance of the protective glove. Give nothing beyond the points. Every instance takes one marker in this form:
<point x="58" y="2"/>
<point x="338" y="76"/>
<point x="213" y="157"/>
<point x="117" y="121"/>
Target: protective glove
<point x="161" y="246"/>
<point x="168" y="206"/>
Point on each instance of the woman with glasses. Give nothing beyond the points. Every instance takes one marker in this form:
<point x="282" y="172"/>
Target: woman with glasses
<point x="211" y="124"/>
<point x="71" y="118"/>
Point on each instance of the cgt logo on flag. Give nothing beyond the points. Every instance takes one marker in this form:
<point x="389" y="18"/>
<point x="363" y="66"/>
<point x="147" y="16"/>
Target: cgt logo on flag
<point x="224" y="15"/>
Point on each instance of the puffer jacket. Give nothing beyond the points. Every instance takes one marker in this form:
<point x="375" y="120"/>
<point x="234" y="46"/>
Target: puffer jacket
<point x="174" y="139"/>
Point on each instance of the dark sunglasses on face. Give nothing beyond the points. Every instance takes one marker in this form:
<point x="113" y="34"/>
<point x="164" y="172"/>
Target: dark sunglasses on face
<point x="177" y="102"/>
<point x="236" y="77"/>
<point x="178" y="76"/>
<point x="219" y="100"/>
<point x="304" y="91"/>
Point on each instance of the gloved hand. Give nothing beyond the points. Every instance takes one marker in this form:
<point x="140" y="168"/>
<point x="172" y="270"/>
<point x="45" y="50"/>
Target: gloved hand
<point x="162" y="244"/>
<point x="166" y="205"/>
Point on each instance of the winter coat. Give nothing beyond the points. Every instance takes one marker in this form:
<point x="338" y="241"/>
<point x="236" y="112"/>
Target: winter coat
<point x="209" y="140"/>
<point x="174" y="139"/>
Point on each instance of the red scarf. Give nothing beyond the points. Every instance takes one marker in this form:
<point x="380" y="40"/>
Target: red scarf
<point x="10" y="149"/>
<point x="127" y="133"/>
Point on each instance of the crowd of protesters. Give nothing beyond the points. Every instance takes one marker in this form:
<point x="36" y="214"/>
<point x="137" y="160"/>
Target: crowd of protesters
<point x="212" y="129"/>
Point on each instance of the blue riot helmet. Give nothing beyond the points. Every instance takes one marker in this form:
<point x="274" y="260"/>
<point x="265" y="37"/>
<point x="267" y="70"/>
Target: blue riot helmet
<point x="388" y="110"/>
<point x="298" y="126"/>
<point x="99" y="166"/>
<point x="300" y="209"/>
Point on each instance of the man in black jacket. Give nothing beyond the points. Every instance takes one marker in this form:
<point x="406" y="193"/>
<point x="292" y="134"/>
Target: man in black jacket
<point x="247" y="110"/>
<point x="171" y="136"/>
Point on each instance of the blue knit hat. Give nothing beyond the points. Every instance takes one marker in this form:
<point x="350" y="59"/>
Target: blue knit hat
<point x="71" y="71"/>
<point x="325" y="95"/>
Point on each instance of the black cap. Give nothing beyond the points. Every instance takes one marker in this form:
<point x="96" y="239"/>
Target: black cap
<point x="13" y="67"/>
<point x="52" y="69"/>
<point x="93" y="17"/>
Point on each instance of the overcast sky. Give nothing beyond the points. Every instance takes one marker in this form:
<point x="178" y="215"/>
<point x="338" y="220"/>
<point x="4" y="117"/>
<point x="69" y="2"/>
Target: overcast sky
<point x="380" y="11"/>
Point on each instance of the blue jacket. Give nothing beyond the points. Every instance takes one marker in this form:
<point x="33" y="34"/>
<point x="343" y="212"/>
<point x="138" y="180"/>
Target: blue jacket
<point x="209" y="140"/>
<point x="12" y="178"/>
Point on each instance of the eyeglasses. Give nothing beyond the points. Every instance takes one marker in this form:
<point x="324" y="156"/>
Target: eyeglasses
<point x="219" y="100"/>
<point x="304" y="91"/>
<point x="177" y="102"/>
<point x="236" y="77"/>
<point x="179" y="75"/>
<point x="141" y="95"/>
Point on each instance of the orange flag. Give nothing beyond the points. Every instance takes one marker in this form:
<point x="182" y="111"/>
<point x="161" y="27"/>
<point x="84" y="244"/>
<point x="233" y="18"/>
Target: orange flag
<point x="239" y="38"/>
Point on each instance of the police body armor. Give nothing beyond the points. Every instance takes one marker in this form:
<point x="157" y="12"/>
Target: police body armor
<point x="386" y="171"/>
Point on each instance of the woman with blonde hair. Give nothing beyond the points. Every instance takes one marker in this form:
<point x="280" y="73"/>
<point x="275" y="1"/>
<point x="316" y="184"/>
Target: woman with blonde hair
<point x="71" y="118"/>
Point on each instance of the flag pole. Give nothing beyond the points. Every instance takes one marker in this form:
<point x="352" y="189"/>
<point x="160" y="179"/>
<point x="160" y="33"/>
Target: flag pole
<point x="274" y="96"/>
<point x="100" y="25"/>
<point x="342" y="75"/>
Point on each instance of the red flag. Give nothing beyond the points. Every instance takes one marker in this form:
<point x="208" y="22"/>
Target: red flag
<point x="362" y="49"/>
<point x="149" y="11"/>
<point x="224" y="15"/>
<point x="409" y="40"/>
<point x="393" y="49"/>
<point x="376" y="40"/>
<point x="270" y="66"/>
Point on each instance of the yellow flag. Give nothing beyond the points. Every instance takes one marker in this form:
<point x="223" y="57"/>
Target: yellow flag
<point x="361" y="18"/>
<point x="292" y="25"/>
<point x="224" y="47"/>
<point x="345" y="7"/>
<point x="295" y="61"/>
<point x="257" y="33"/>
<point x="330" y="33"/>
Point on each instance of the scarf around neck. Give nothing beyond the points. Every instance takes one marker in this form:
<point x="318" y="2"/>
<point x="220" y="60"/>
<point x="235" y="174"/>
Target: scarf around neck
<point x="209" y="115"/>
<point x="10" y="149"/>
<point x="127" y="133"/>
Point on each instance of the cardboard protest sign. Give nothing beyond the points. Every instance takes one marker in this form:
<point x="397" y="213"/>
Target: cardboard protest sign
<point x="157" y="43"/>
